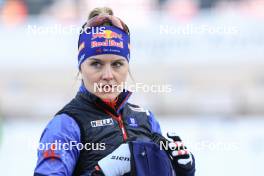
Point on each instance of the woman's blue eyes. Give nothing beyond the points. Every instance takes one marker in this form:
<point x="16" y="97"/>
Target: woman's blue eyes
<point x="117" y="64"/>
<point x="114" y="64"/>
<point x="96" y="64"/>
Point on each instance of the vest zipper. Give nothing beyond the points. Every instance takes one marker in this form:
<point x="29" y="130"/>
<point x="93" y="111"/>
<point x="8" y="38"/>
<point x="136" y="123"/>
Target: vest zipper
<point x="122" y="127"/>
<point x="120" y="124"/>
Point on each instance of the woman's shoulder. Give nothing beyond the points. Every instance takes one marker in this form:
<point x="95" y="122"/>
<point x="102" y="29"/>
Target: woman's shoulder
<point x="155" y="127"/>
<point x="61" y="126"/>
<point x="61" y="121"/>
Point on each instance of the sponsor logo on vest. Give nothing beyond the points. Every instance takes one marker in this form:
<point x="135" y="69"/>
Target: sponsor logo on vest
<point x="103" y="122"/>
<point x="132" y="122"/>
<point x="121" y="158"/>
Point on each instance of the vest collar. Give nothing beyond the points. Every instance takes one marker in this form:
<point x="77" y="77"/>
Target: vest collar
<point x="103" y="104"/>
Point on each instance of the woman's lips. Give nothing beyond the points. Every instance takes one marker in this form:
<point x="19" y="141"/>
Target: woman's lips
<point x="108" y="88"/>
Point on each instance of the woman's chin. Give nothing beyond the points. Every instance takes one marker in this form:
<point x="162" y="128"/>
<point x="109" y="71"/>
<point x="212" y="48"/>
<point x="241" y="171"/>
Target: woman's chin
<point x="107" y="95"/>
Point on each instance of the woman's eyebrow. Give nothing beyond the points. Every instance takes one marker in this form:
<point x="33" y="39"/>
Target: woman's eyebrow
<point x="122" y="60"/>
<point x="102" y="60"/>
<point x="95" y="59"/>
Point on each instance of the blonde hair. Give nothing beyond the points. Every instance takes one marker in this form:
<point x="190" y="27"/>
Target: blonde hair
<point x="100" y="10"/>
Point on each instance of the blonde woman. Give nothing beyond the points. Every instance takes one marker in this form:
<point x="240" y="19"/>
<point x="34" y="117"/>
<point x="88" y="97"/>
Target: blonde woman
<point x="99" y="132"/>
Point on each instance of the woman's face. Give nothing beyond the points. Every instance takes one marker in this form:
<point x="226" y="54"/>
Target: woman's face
<point x="102" y="73"/>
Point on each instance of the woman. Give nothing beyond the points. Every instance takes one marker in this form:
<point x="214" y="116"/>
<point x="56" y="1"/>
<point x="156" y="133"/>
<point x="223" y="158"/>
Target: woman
<point x="98" y="132"/>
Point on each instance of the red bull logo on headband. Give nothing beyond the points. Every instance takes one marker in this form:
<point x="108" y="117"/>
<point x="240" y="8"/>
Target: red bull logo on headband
<point x="112" y="40"/>
<point x="107" y="43"/>
<point x="107" y="34"/>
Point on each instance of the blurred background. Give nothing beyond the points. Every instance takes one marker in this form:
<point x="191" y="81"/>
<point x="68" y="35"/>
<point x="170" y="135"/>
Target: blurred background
<point x="211" y="52"/>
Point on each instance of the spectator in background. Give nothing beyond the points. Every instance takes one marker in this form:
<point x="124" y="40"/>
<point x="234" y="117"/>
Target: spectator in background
<point x="182" y="10"/>
<point x="207" y="4"/>
<point x="14" y="12"/>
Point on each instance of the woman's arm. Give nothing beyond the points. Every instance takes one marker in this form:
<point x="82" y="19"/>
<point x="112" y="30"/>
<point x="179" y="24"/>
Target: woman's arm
<point x="155" y="126"/>
<point x="55" y="155"/>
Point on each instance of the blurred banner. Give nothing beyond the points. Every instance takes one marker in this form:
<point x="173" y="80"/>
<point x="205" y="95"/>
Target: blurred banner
<point x="212" y="61"/>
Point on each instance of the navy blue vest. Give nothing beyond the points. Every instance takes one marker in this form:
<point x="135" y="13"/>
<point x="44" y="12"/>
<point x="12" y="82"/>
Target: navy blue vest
<point x="101" y="124"/>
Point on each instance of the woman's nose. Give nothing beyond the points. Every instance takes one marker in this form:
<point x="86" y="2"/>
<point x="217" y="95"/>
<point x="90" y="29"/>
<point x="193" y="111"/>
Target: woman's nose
<point x="107" y="73"/>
